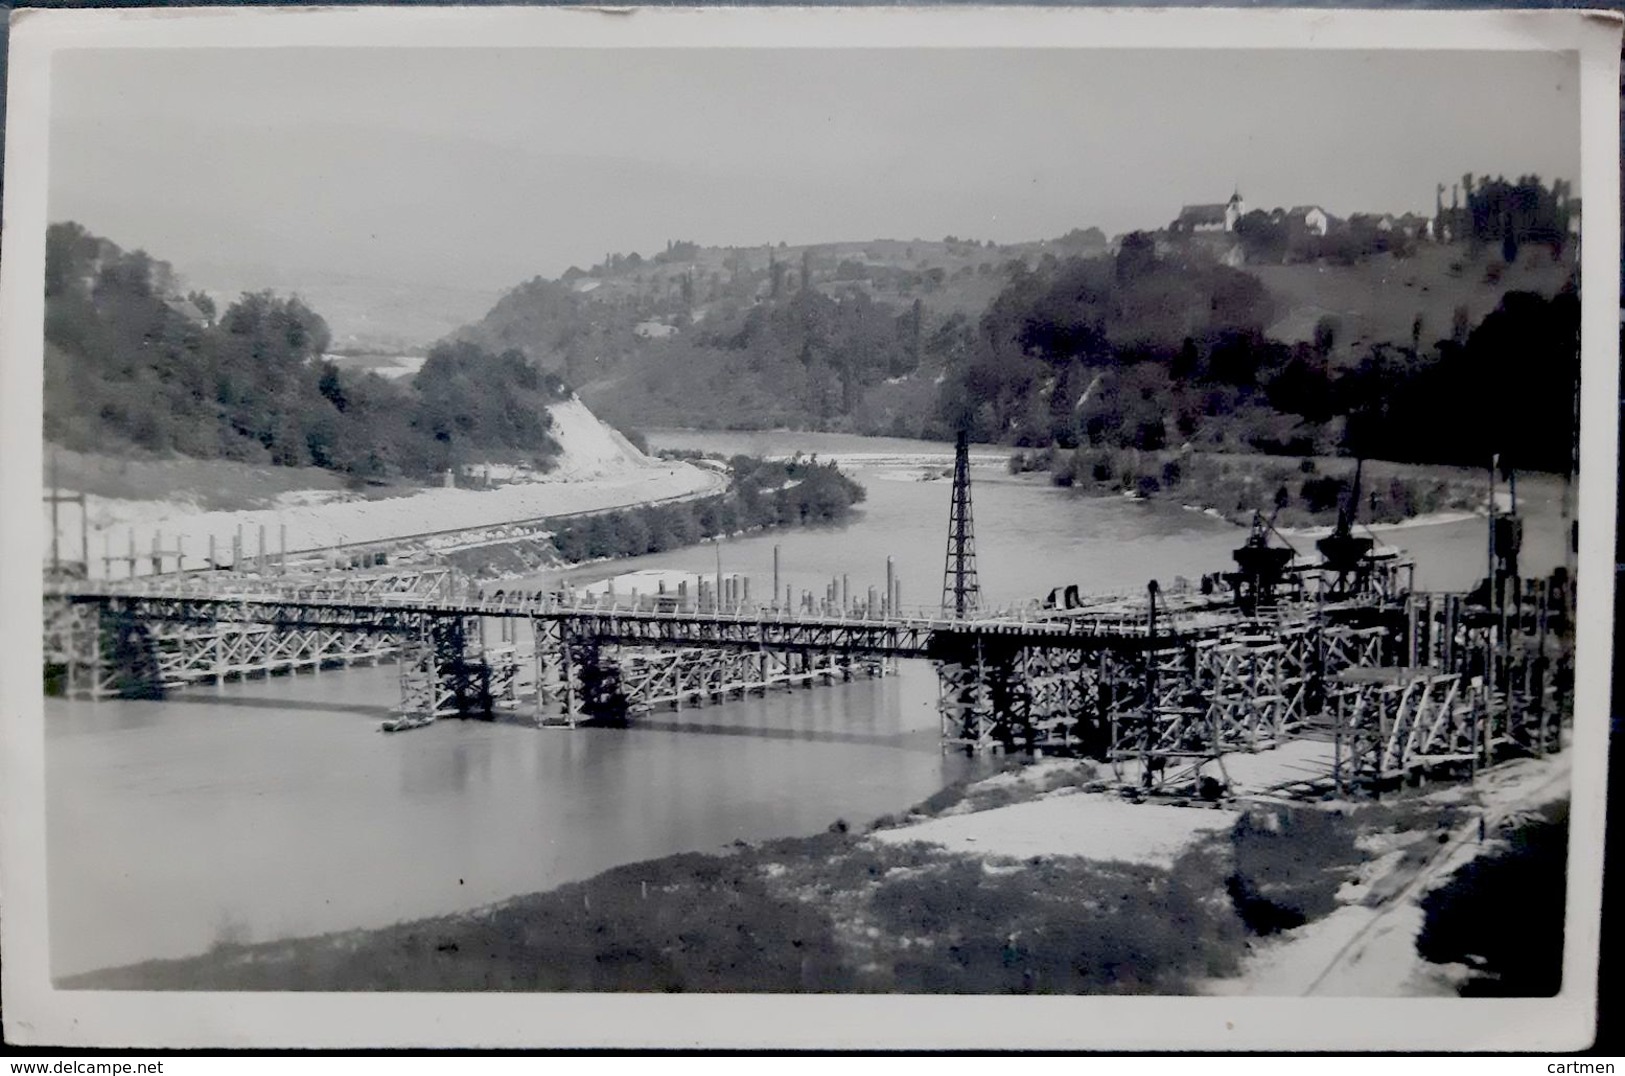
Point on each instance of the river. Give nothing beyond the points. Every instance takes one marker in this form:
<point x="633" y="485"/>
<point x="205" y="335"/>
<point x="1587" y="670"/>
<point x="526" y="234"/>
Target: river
<point x="274" y="808"/>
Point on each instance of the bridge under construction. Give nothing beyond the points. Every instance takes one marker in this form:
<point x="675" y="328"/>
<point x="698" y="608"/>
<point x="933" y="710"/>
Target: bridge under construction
<point x="1338" y="647"/>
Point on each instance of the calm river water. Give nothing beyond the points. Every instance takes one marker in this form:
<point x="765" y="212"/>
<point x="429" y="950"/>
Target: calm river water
<point x="275" y="808"/>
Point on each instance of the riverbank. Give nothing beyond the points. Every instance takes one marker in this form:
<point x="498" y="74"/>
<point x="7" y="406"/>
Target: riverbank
<point x="1406" y="922"/>
<point x="186" y="504"/>
<point x="1037" y="879"/>
<point x="1299" y="495"/>
<point x="762" y="495"/>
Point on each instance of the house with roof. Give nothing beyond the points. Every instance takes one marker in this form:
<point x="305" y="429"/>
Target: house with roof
<point x="1371" y="222"/>
<point x="1309" y="218"/>
<point x="187" y="309"/>
<point x="1414" y="226"/>
<point x="1216" y="217"/>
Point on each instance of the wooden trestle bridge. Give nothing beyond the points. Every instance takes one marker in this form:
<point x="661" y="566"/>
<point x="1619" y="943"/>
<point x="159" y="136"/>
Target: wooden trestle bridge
<point x="1431" y="679"/>
<point x="1338" y="648"/>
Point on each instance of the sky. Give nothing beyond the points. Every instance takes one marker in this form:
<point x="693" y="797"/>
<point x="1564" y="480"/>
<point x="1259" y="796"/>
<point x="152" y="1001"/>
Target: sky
<point x="480" y="168"/>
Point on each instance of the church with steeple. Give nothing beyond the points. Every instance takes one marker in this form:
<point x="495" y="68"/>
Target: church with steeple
<point x="1211" y="218"/>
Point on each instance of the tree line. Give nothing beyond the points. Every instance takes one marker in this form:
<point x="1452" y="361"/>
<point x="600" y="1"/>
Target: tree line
<point x="131" y="363"/>
<point x="1149" y="352"/>
<point x="761" y="494"/>
<point x="1508" y="215"/>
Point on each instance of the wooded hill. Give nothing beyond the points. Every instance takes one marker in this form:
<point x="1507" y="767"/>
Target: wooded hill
<point x="1068" y="343"/>
<point x="130" y="363"/>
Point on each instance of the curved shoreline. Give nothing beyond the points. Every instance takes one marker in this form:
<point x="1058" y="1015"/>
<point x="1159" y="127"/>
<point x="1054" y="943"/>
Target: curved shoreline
<point x="597" y="470"/>
<point x="909" y="908"/>
<point x="341" y="524"/>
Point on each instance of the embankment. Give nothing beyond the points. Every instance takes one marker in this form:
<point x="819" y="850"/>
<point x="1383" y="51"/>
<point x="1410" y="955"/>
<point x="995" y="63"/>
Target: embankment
<point x="1295" y="493"/>
<point x="761" y="495"/>
<point x="1031" y="881"/>
<point x="597" y="470"/>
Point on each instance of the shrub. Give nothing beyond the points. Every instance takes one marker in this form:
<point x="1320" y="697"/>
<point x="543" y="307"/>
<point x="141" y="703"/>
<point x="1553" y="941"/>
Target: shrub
<point x="1321" y="494"/>
<point x="1289" y="863"/>
<point x="1467" y="917"/>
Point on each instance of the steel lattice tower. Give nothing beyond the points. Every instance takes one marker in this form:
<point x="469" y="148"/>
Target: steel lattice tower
<point x="960" y="591"/>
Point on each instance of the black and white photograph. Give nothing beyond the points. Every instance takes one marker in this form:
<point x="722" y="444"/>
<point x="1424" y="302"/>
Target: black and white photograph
<point x="540" y="511"/>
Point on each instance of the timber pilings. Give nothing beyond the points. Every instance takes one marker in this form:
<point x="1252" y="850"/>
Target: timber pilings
<point x="1396" y="685"/>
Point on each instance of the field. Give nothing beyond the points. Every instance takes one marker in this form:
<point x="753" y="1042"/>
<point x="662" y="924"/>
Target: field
<point x="1379" y="300"/>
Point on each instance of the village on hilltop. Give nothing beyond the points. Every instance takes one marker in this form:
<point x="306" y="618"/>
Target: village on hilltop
<point x="1524" y="211"/>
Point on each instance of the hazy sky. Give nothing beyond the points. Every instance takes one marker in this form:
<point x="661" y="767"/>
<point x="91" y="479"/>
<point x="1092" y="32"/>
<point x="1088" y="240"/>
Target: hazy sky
<point x="480" y="167"/>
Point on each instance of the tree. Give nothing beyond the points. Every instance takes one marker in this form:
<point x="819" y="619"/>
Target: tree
<point x="252" y="383"/>
<point x="1137" y="257"/>
<point x="204" y="303"/>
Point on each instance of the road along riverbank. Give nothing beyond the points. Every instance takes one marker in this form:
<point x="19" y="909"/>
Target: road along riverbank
<point x="597" y="470"/>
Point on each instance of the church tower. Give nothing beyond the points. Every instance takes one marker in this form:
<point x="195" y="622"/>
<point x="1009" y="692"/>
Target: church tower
<point x="1234" y="210"/>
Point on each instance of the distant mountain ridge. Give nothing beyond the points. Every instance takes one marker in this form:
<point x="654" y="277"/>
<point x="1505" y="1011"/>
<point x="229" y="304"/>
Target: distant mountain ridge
<point x="371" y="314"/>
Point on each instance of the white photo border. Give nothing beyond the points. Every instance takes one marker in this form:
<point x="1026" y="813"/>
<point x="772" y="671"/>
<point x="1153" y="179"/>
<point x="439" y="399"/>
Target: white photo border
<point x="36" y="1013"/>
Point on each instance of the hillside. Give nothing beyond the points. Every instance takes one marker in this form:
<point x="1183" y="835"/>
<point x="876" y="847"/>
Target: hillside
<point x="133" y="364"/>
<point x="586" y="322"/>
<point x="1383" y="299"/>
<point x="375" y="315"/>
<point x="877" y="337"/>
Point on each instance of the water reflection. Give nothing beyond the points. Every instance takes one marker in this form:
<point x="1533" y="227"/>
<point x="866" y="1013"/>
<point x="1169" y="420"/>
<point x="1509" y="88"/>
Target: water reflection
<point x="909" y="740"/>
<point x="446" y="771"/>
<point x="202" y="697"/>
<point x="172" y="826"/>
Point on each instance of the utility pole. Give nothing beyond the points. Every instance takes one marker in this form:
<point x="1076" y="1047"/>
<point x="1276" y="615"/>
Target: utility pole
<point x="55" y="498"/>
